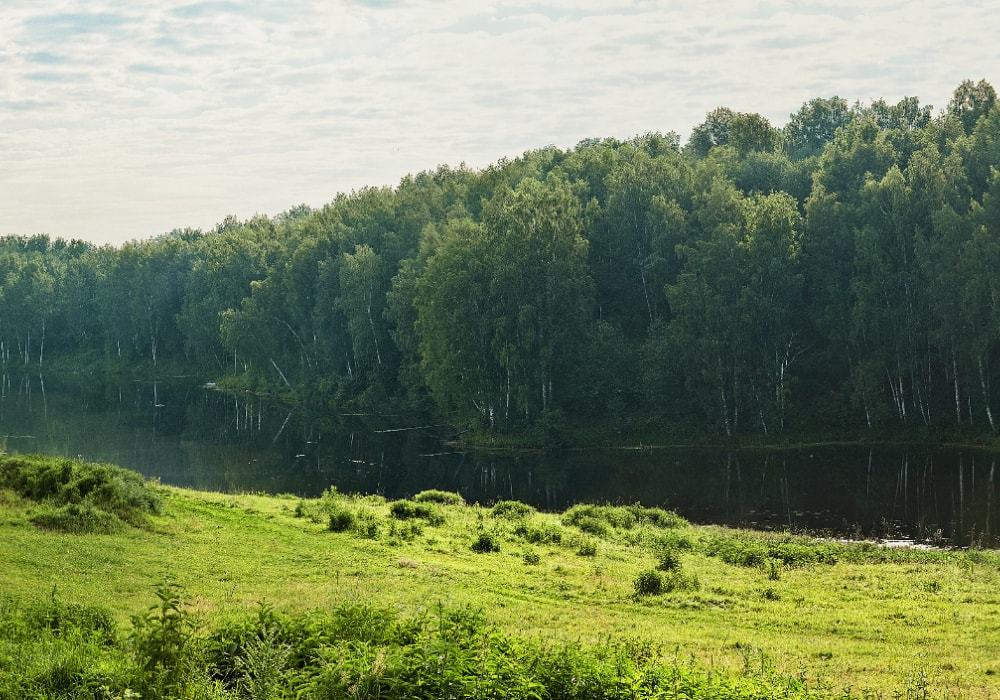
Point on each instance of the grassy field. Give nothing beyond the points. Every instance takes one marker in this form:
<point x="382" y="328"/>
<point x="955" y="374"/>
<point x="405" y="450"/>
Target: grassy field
<point x="835" y="616"/>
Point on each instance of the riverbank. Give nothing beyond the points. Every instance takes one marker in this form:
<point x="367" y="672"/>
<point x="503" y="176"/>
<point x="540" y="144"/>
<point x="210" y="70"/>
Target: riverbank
<point x="723" y="601"/>
<point x="640" y="432"/>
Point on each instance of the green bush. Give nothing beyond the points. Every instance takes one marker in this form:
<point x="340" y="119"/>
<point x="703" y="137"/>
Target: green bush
<point x="678" y="581"/>
<point x="404" y="531"/>
<point x="671" y="539"/>
<point x="587" y="548"/>
<point x="756" y="550"/>
<point x="543" y="533"/>
<point x="486" y="542"/>
<point x="97" y="490"/>
<point x="341" y="519"/>
<point x="592" y="526"/>
<point x="648" y="583"/>
<point x="445" y="498"/>
<point x="532" y="558"/>
<point x="367" y="524"/>
<point x="656" y="517"/>
<point x="411" y="510"/>
<point x="598" y="519"/>
<point x="669" y="561"/>
<point x="511" y="510"/>
<point x="653" y="582"/>
<point x="163" y="642"/>
<point x="79" y="520"/>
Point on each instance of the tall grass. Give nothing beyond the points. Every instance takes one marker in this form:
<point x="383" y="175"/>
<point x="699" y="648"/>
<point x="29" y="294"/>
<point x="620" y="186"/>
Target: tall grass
<point x="350" y="651"/>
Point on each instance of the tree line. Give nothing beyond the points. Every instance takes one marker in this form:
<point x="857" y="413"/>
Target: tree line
<point x="842" y="271"/>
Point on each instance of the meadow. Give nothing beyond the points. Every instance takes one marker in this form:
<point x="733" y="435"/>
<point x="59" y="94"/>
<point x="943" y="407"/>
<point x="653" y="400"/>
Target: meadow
<point x="114" y="587"/>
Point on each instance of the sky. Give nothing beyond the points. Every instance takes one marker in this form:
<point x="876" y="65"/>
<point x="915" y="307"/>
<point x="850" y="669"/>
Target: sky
<point x="123" y="120"/>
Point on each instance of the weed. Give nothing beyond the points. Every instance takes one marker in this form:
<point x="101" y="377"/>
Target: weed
<point x="679" y="581"/>
<point x="162" y="640"/>
<point x="671" y="539"/>
<point x="774" y="570"/>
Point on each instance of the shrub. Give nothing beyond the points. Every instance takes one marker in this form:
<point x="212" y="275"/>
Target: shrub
<point x="411" y="510"/>
<point x="656" y="517"/>
<point x="162" y="640"/>
<point x="445" y="498"/>
<point x="405" y="531"/>
<point x="648" y="583"/>
<point x="93" y="487"/>
<point x="653" y="582"/>
<point x="512" y="510"/>
<point x="585" y="517"/>
<point x="678" y="581"/>
<point x="592" y="526"/>
<point x="543" y="533"/>
<point x="669" y="561"/>
<point x="672" y="539"/>
<point x="367" y="525"/>
<point x="486" y="542"/>
<point x="79" y="520"/>
<point x="608" y="516"/>
<point x="532" y="558"/>
<point x="341" y="519"/>
<point x="757" y="550"/>
<point x="587" y="548"/>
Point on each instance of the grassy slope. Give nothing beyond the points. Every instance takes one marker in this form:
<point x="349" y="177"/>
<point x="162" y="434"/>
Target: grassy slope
<point x="847" y="624"/>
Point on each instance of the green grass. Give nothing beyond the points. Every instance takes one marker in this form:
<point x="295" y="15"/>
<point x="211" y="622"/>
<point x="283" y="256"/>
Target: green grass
<point x="834" y="615"/>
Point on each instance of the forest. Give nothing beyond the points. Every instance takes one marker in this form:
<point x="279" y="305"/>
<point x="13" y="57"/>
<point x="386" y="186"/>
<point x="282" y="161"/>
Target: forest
<point x="839" y="273"/>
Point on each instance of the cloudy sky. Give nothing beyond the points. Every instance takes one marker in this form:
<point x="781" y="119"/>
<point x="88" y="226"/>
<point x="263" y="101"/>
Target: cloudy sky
<point x="123" y="120"/>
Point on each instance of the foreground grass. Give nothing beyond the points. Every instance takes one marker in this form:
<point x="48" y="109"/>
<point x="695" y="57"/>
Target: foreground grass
<point x="736" y="604"/>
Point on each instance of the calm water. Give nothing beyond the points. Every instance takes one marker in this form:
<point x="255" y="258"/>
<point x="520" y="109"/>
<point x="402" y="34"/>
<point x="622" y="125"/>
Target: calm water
<point x="189" y="436"/>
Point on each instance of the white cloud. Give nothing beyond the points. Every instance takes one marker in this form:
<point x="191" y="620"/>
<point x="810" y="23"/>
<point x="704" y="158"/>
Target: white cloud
<point x="118" y="122"/>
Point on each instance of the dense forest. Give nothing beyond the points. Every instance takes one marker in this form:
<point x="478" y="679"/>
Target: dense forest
<point x="839" y="273"/>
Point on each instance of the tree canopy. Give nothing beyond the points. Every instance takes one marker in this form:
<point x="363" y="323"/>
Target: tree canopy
<point x="840" y="272"/>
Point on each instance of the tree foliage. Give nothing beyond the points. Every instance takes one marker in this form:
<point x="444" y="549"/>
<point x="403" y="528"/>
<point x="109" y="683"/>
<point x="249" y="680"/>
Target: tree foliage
<point x="838" y="272"/>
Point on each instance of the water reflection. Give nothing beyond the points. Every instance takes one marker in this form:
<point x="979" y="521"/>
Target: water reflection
<point x="189" y="436"/>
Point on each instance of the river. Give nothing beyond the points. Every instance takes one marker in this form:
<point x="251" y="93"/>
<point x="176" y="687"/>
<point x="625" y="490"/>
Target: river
<point x="189" y="436"/>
